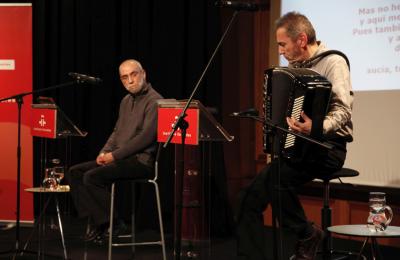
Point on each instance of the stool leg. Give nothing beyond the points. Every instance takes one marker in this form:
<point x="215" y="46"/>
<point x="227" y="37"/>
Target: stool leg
<point x="160" y="220"/>
<point x="111" y="222"/>
<point x="326" y="222"/>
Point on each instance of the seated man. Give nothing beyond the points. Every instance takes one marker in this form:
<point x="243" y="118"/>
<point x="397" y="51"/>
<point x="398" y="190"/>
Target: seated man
<point x="128" y="153"/>
<point x="297" y="42"/>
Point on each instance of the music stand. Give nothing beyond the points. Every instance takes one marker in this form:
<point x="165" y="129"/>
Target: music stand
<point x="182" y="124"/>
<point x="203" y="127"/>
<point x="49" y="121"/>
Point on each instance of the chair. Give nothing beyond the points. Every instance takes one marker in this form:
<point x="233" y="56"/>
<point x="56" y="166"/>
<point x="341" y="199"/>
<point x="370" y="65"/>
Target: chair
<point x="326" y="216"/>
<point x="133" y="242"/>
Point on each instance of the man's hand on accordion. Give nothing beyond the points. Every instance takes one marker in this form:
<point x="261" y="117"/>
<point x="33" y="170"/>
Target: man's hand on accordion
<point x="301" y="127"/>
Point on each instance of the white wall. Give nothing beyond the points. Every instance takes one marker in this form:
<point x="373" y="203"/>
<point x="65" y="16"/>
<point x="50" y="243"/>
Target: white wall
<point x="375" y="150"/>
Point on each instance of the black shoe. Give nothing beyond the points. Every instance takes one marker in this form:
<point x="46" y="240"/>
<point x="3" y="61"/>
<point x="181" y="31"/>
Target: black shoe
<point x="119" y="229"/>
<point x="7" y="226"/>
<point x="94" y="233"/>
<point x="100" y="239"/>
<point x="306" y="249"/>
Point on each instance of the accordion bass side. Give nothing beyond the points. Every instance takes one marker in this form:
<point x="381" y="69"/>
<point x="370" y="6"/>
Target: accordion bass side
<point x="287" y="92"/>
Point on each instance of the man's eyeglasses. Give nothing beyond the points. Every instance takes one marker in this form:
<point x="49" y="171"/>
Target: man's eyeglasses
<point x="133" y="74"/>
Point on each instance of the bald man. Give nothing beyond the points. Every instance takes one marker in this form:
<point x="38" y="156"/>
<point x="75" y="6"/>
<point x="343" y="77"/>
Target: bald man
<point x="128" y="153"/>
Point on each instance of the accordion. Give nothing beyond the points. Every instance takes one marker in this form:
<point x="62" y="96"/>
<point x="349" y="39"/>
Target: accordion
<point x="287" y="92"/>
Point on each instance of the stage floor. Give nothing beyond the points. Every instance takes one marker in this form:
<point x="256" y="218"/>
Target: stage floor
<point x="218" y="248"/>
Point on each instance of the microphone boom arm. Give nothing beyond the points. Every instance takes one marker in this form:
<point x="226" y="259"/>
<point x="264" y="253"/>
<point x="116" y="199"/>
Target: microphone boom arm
<point x="23" y="94"/>
<point x="287" y="131"/>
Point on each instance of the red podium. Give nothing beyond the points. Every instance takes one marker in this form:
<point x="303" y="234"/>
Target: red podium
<point x="49" y="121"/>
<point x="202" y="125"/>
<point x="202" y="132"/>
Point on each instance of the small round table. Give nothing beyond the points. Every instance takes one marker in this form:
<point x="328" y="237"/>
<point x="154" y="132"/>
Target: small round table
<point x="363" y="231"/>
<point x="60" y="189"/>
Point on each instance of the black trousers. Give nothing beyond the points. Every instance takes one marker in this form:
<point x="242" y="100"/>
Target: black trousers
<point x="90" y="184"/>
<point x="254" y="199"/>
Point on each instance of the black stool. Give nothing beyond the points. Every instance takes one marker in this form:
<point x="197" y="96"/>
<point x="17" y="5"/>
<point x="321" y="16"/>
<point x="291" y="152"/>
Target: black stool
<point x="326" y="216"/>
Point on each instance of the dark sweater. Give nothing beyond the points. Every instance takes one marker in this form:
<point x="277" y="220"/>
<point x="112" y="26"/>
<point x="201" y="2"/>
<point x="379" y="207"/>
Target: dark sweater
<point x="136" y="128"/>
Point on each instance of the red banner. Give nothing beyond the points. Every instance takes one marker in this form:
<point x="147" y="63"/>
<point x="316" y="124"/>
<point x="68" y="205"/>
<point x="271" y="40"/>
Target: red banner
<point x="15" y="78"/>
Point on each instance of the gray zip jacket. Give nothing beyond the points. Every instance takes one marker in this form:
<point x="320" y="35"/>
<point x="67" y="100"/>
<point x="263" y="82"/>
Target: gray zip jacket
<point x="136" y="128"/>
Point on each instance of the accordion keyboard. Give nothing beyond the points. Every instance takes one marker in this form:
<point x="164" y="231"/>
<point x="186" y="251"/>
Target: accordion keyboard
<point x="296" y="111"/>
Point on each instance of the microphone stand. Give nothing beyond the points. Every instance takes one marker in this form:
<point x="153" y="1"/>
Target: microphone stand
<point x="19" y="99"/>
<point x="183" y="125"/>
<point x="276" y="157"/>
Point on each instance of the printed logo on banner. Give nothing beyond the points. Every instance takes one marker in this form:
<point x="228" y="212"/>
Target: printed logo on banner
<point x="166" y="119"/>
<point x="44" y="122"/>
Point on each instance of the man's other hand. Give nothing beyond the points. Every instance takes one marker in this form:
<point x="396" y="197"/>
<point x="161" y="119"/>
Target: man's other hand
<point x="301" y="127"/>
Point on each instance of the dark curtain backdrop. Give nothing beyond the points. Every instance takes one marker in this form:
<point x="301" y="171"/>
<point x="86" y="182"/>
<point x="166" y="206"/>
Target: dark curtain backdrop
<point x="172" y="39"/>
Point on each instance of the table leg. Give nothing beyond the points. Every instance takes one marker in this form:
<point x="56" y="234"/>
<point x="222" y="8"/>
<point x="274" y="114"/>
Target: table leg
<point x="61" y="228"/>
<point x="40" y="226"/>
<point x="373" y="253"/>
<point x="362" y="248"/>
<point x="376" y="250"/>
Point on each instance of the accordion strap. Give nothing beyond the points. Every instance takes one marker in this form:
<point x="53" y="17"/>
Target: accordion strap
<point x="308" y="63"/>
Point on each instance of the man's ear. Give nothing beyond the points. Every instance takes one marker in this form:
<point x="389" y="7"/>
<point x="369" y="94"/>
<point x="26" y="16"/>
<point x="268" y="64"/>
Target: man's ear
<point x="302" y="40"/>
<point x="144" y="74"/>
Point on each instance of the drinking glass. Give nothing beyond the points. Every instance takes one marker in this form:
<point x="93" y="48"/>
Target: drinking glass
<point x="50" y="180"/>
<point x="59" y="173"/>
<point x="378" y="220"/>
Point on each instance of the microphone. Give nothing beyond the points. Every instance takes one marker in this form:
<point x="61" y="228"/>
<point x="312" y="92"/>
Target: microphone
<point x="251" y="112"/>
<point x="81" y="78"/>
<point x="239" y="6"/>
